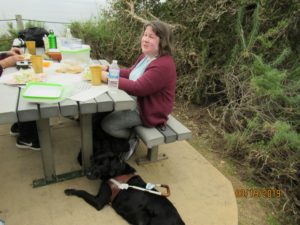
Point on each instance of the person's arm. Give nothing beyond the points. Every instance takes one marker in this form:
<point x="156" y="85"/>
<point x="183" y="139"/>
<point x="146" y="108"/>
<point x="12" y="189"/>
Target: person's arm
<point x="1" y="70"/>
<point x="124" y="72"/>
<point x="3" y="55"/>
<point x="16" y="51"/>
<point x="157" y="76"/>
<point x="10" y="61"/>
<point x="9" y="58"/>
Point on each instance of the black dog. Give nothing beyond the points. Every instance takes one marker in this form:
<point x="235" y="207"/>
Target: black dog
<point x="135" y="206"/>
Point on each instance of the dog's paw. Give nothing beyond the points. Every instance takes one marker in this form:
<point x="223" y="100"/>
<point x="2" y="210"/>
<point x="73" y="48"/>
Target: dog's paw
<point x="70" y="191"/>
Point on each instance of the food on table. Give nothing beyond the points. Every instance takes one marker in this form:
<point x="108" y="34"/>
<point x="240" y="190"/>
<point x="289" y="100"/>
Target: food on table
<point x="25" y="76"/>
<point x="87" y="75"/>
<point x="46" y="63"/>
<point x="54" y="55"/>
<point x="27" y="56"/>
<point x="70" y="68"/>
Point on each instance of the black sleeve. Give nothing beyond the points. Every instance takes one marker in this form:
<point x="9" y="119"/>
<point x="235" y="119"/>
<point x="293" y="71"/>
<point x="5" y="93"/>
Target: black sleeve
<point x="1" y="70"/>
<point x="3" y="55"/>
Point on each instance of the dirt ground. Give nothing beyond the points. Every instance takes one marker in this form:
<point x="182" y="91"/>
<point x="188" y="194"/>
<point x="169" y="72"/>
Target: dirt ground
<point x="252" y="211"/>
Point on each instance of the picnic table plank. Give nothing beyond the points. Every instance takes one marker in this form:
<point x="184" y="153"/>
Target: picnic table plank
<point x="88" y="107"/>
<point x="27" y="111"/>
<point x="150" y="136"/>
<point x="8" y="107"/>
<point x="68" y="107"/>
<point x="182" y="132"/>
<point x="49" y="110"/>
<point x="122" y="100"/>
<point x="104" y="103"/>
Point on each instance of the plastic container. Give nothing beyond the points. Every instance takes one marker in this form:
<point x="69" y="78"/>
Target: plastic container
<point x="81" y="55"/>
<point x="70" y="43"/>
<point x="113" y="77"/>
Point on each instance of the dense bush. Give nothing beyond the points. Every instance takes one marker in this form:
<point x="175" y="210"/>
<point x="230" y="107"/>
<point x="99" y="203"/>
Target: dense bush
<point x="6" y="39"/>
<point x="241" y="58"/>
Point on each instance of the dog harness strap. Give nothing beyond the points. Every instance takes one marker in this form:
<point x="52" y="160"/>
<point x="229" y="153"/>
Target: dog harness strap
<point x="153" y="191"/>
<point x="115" y="183"/>
<point x="120" y="183"/>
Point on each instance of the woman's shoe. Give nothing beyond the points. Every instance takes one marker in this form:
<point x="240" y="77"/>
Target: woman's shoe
<point x="14" y="129"/>
<point x="29" y="144"/>
<point x="133" y="144"/>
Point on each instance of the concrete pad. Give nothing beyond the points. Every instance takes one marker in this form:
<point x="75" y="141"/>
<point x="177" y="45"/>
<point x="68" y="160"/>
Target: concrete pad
<point x="201" y="194"/>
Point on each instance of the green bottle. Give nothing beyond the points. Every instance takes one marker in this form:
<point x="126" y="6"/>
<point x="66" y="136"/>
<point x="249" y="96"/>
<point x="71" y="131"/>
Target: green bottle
<point x="52" y="40"/>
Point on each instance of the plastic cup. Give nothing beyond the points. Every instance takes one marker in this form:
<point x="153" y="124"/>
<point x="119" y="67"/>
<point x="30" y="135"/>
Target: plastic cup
<point x="37" y="63"/>
<point x="96" y="71"/>
<point x="30" y="45"/>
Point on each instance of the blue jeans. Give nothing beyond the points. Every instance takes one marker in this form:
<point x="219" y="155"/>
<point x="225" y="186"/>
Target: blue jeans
<point x="120" y="124"/>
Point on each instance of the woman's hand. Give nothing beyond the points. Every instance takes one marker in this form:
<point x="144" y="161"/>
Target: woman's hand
<point x="11" y="61"/>
<point x="104" y="76"/>
<point x="104" y="68"/>
<point x="16" y="51"/>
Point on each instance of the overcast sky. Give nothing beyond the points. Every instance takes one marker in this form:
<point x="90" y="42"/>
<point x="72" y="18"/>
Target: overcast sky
<point x="50" y="10"/>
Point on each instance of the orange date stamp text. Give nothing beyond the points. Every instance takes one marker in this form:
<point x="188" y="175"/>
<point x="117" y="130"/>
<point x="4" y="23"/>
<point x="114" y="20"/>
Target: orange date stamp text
<point x="258" y="193"/>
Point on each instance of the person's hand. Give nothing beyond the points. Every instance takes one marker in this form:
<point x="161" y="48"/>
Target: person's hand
<point x="11" y="61"/>
<point x="16" y="51"/>
<point x="104" y="68"/>
<point x="104" y="76"/>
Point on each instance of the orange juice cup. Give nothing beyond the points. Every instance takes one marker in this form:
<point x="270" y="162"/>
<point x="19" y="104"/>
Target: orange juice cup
<point x="96" y="71"/>
<point x="37" y="63"/>
<point x="30" y="45"/>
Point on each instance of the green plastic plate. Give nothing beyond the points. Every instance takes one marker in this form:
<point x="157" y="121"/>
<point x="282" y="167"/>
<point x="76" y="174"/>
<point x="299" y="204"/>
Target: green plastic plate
<point x="38" y="90"/>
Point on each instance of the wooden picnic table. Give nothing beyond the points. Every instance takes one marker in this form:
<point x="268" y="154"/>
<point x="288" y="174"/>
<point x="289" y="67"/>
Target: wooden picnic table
<point x="14" y="108"/>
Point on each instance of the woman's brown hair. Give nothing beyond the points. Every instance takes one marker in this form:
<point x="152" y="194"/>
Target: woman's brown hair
<point x="165" y="36"/>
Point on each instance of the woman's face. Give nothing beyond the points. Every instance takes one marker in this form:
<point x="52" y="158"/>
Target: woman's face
<point x="150" y="42"/>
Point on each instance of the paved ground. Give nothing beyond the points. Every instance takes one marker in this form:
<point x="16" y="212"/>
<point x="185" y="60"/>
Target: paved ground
<point x="201" y="194"/>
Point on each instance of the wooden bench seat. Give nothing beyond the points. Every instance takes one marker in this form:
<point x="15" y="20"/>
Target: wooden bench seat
<point x="153" y="137"/>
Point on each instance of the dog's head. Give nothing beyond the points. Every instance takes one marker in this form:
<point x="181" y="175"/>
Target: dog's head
<point x="108" y="165"/>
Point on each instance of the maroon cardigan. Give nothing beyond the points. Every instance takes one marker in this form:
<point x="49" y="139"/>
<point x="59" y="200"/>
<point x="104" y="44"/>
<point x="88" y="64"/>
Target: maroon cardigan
<point x="155" y="89"/>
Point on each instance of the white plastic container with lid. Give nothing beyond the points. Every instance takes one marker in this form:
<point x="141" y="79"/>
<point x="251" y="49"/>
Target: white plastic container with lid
<point x="81" y="55"/>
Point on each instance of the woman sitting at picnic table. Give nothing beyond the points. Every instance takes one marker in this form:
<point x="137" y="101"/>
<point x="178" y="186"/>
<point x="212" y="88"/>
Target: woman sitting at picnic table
<point x="26" y="131"/>
<point x="152" y="79"/>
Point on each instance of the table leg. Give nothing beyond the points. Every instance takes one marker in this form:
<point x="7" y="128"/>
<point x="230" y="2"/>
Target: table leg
<point x="43" y="127"/>
<point x="86" y="139"/>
